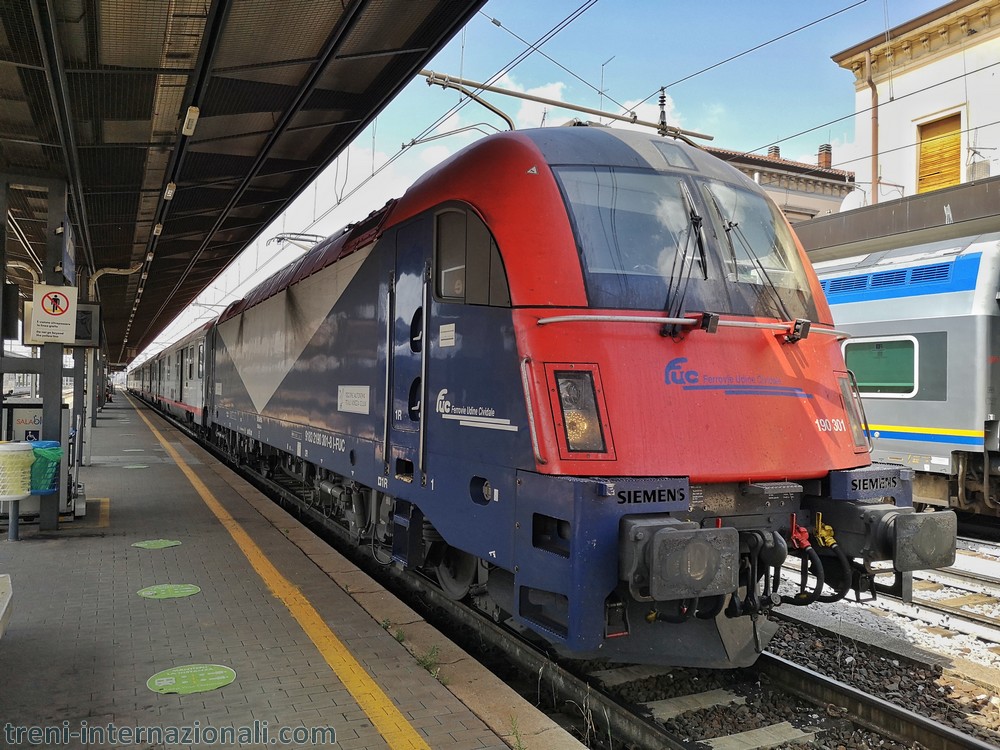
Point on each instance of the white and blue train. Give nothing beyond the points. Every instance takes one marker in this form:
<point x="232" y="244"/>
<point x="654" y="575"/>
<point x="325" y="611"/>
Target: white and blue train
<point x="924" y="322"/>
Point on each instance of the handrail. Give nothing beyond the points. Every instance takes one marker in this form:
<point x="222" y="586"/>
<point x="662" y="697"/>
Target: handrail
<point x="690" y="322"/>
<point x="618" y="319"/>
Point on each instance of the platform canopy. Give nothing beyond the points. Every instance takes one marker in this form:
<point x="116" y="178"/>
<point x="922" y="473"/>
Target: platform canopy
<point x="96" y="94"/>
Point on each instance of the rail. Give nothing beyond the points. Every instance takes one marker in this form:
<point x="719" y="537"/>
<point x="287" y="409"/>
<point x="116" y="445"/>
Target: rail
<point x="869" y="710"/>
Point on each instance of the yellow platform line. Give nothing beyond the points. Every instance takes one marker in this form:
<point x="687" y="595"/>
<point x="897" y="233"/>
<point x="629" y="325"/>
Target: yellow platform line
<point x="103" y="519"/>
<point x="391" y="724"/>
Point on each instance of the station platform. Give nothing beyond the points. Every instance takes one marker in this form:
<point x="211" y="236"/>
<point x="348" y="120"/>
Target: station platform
<point x="315" y="643"/>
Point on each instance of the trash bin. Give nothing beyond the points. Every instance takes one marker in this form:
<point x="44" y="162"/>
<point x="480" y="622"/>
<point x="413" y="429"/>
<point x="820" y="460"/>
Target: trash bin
<point x="15" y="471"/>
<point x="45" y="470"/>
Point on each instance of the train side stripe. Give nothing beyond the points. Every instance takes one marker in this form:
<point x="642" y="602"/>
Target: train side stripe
<point x="959" y="275"/>
<point x="388" y="720"/>
<point x="928" y="434"/>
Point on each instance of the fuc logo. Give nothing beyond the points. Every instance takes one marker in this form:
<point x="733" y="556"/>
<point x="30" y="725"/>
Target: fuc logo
<point x="675" y="374"/>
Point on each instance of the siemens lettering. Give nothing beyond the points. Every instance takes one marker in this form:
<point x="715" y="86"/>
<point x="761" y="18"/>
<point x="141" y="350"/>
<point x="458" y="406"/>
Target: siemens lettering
<point x="633" y="497"/>
<point x="875" y="483"/>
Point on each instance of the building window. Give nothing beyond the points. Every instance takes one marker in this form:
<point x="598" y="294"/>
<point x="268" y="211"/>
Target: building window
<point x="884" y="366"/>
<point x="940" y="154"/>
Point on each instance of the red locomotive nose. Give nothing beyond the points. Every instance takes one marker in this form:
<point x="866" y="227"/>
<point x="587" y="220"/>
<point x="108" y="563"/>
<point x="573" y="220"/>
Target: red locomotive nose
<point x="738" y="405"/>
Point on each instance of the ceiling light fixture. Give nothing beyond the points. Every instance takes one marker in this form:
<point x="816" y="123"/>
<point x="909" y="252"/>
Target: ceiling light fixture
<point x="158" y="228"/>
<point x="168" y="193"/>
<point x="190" y="121"/>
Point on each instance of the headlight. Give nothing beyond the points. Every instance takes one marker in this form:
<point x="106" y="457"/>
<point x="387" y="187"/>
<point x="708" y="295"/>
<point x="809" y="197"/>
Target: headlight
<point x="701" y="562"/>
<point x="853" y="412"/>
<point x="579" y="412"/>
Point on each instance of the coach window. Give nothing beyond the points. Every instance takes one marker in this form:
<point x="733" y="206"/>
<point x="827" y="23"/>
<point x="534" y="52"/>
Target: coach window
<point x="468" y="266"/>
<point x="885" y="367"/>
<point x="201" y="360"/>
<point x="190" y="363"/>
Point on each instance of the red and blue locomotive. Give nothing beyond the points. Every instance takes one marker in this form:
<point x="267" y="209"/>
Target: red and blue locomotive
<point x="587" y="378"/>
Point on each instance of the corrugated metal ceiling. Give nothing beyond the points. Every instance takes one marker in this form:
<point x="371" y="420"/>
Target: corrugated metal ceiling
<point x="94" y="93"/>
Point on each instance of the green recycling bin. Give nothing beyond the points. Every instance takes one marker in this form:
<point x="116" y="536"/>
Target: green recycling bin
<point x="45" y="470"/>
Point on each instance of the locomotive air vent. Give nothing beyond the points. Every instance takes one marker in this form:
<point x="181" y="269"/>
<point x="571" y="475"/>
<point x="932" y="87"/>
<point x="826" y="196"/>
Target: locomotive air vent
<point x="936" y="273"/>
<point x="848" y="284"/>
<point x="930" y="274"/>
<point x="888" y="278"/>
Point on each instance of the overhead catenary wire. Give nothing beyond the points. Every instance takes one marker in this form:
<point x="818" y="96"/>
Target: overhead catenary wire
<point x="343" y="196"/>
<point x="962" y="76"/>
<point x="517" y="60"/>
<point x="555" y="62"/>
<point x="535" y="47"/>
<point x="752" y="49"/>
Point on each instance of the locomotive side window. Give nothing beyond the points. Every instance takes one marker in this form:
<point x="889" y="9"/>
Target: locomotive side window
<point x="468" y="267"/>
<point x="885" y="366"/>
<point x="451" y="255"/>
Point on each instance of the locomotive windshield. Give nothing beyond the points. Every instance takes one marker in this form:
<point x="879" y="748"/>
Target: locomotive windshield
<point x="682" y="243"/>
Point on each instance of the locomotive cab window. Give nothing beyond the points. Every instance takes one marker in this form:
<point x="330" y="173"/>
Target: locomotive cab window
<point x="885" y="367"/>
<point x="468" y="267"/>
<point x="683" y="242"/>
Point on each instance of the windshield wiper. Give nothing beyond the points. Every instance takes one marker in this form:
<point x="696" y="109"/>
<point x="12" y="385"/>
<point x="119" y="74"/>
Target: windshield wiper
<point x="727" y="225"/>
<point x="732" y="227"/>
<point x="676" y="294"/>
<point x="735" y="228"/>
<point x="696" y="225"/>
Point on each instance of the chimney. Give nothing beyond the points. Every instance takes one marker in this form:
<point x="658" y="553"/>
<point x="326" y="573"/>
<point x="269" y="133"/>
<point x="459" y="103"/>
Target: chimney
<point x="774" y="152"/>
<point x="825" y="156"/>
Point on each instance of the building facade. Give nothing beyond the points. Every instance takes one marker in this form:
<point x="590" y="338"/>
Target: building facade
<point x="802" y="191"/>
<point x="926" y="102"/>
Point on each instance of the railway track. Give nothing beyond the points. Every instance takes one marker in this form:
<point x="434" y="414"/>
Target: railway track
<point x="774" y="703"/>
<point x="956" y="599"/>
<point x="603" y="709"/>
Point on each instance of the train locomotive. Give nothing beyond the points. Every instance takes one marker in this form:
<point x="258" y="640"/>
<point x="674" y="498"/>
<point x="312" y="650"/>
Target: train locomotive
<point x="585" y="379"/>
<point x="925" y="341"/>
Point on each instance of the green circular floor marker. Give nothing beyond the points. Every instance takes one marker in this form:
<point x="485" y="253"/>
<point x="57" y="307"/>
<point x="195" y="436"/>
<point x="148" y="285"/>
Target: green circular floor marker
<point x="136" y="466"/>
<point x="193" y="678"/>
<point x="156" y="543"/>
<point x="169" y="591"/>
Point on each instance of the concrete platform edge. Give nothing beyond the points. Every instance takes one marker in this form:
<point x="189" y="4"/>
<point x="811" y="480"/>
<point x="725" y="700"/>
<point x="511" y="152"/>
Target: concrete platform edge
<point x="519" y="723"/>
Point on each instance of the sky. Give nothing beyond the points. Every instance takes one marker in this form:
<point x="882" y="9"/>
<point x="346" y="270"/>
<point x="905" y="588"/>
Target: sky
<point x="612" y="55"/>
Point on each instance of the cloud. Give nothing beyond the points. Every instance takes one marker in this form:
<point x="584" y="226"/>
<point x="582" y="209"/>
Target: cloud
<point x="713" y="117"/>
<point x="431" y="156"/>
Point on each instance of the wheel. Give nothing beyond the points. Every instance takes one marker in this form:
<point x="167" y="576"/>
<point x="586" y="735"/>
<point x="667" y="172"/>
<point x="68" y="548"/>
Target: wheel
<point x="456" y="573"/>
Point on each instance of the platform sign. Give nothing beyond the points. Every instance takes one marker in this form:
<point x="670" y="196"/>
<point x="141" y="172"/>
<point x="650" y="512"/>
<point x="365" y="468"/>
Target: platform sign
<point x="53" y="314"/>
<point x="88" y="326"/>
